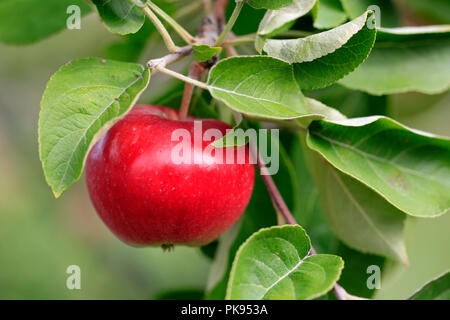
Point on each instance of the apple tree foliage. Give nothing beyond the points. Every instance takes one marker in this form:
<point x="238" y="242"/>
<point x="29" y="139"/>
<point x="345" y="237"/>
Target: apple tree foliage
<point x="350" y="181"/>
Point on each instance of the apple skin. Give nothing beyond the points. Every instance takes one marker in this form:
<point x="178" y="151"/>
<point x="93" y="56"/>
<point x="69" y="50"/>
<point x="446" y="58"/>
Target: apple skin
<point x="148" y="200"/>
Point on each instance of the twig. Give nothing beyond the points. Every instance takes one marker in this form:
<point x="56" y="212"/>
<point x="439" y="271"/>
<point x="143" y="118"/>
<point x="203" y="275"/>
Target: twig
<point x="231" y="51"/>
<point x="281" y="207"/>
<point x="274" y="193"/>
<point x="219" y="13"/>
<point x="167" y="60"/>
<point x="195" y="72"/>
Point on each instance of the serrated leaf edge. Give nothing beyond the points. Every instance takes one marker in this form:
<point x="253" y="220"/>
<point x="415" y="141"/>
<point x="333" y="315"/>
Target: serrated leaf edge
<point x="57" y="191"/>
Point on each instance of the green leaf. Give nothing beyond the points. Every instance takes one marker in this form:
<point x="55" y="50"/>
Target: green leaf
<point x="273" y="264"/>
<point x="276" y="19"/>
<point x="258" y="86"/>
<point x="409" y="168"/>
<point x="357" y="215"/>
<point x="79" y="101"/>
<point x="130" y="46"/>
<point x="229" y="242"/>
<point x="324" y="58"/>
<point x="406" y="59"/>
<point x="268" y="4"/>
<point x="205" y="52"/>
<point x="232" y="139"/>
<point x="28" y="21"/>
<point x="316" y="46"/>
<point x="329" y="14"/>
<point x="119" y="16"/>
<point x="436" y="289"/>
<point x="308" y="213"/>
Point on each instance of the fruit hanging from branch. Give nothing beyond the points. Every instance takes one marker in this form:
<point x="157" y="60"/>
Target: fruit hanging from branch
<point x="148" y="198"/>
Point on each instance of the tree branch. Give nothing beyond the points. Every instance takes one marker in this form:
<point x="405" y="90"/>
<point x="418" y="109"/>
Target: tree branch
<point x="167" y="60"/>
<point x="219" y="13"/>
<point x="196" y="71"/>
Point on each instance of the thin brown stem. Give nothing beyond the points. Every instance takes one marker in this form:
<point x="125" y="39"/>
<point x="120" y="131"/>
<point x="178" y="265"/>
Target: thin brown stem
<point x="281" y="207"/>
<point x="274" y="193"/>
<point x="219" y="13"/>
<point x="196" y="71"/>
<point x="229" y="26"/>
<point x="231" y="51"/>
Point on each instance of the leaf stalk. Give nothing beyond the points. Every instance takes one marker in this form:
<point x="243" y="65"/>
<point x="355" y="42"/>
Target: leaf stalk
<point x="230" y="24"/>
<point x="161" y="29"/>
<point x="185" y="35"/>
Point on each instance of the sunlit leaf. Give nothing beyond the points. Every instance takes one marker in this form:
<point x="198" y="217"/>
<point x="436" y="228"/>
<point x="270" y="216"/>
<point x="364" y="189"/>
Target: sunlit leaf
<point x="122" y="17"/>
<point x="258" y="86"/>
<point x="324" y="58"/>
<point x="80" y="100"/>
<point x="357" y="215"/>
<point x="204" y="52"/>
<point x="410" y="169"/>
<point x="273" y="264"/>
<point x="275" y="20"/>
<point x="406" y="59"/>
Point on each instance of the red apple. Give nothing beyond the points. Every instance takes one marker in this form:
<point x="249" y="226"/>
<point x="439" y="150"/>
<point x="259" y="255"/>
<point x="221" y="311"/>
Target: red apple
<point x="147" y="199"/>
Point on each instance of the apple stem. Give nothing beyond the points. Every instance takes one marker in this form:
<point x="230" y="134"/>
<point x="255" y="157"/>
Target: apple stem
<point x="280" y="206"/>
<point x="196" y="71"/>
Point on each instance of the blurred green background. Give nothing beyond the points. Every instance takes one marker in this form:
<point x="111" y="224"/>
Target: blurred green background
<point x="40" y="236"/>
